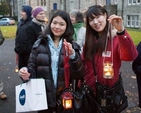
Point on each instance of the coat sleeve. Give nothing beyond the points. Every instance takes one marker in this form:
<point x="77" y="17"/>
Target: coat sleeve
<point x="76" y="64"/>
<point x="127" y="49"/>
<point x="136" y="65"/>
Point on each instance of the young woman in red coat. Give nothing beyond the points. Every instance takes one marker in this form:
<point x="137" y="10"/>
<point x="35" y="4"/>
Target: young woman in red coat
<point x="106" y="41"/>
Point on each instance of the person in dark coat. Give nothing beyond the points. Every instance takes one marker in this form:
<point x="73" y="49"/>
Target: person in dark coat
<point x="20" y="41"/>
<point x="136" y="66"/>
<point x="47" y="58"/>
<point x="35" y="28"/>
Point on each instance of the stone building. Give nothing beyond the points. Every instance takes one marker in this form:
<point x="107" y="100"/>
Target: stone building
<point x="130" y="10"/>
<point x="67" y="5"/>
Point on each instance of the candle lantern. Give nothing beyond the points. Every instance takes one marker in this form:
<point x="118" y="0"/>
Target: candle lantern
<point x="16" y="69"/>
<point x="108" y="71"/>
<point x="67" y="100"/>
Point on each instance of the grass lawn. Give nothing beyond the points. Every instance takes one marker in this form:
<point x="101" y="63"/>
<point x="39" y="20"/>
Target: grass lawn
<point x="10" y="32"/>
<point x="135" y="34"/>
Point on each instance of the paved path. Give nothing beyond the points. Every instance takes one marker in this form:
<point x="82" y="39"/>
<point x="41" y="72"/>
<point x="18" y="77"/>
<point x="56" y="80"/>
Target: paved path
<point x="11" y="79"/>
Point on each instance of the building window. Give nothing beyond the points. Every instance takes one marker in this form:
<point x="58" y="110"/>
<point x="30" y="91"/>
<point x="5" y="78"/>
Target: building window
<point x="133" y="21"/>
<point x="134" y="2"/>
<point x="138" y="1"/>
<point x="129" y="2"/>
<point x="108" y="2"/>
<point x="43" y="2"/>
<point x="115" y="1"/>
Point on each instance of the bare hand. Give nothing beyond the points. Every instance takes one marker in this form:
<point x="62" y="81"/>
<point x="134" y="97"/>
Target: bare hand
<point x="116" y="22"/>
<point x="24" y="73"/>
<point x="68" y="47"/>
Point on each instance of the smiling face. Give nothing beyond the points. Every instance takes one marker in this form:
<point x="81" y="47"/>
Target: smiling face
<point x="98" y="23"/>
<point x="58" y="26"/>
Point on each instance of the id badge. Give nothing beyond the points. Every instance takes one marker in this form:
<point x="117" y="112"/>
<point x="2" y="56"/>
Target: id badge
<point x="106" y="54"/>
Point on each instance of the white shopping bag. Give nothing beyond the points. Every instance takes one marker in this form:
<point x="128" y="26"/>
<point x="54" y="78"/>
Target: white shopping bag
<point x="31" y="96"/>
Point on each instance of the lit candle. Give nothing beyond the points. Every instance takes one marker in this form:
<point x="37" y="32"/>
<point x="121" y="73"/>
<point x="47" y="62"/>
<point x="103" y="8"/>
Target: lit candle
<point x="108" y="72"/>
<point x="67" y="100"/>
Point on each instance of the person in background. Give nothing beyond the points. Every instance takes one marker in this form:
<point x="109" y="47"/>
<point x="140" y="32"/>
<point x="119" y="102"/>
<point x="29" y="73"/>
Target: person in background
<point x="2" y="95"/>
<point x="106" y="41"/>
<point x="20" y="41"/>
<point x="47" y="58"/>
<point x="77" y="20"/>
<point x="37" y="26"/>
<point x="136" y="66"/>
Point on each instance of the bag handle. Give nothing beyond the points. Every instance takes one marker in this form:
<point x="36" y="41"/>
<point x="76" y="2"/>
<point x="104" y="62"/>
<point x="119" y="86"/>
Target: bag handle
<point x="110" y="37"/>
<point x="66" y="68"/>
<point x="67" y="71"/>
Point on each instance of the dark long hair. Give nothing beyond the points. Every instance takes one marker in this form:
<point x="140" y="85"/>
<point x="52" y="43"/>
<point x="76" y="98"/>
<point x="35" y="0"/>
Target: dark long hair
<point x="69" y="29"/>
<point x="91" y="47"/>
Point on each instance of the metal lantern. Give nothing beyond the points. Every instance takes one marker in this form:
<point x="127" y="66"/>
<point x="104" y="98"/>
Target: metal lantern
<point x="67" y="100"/>
<point x="108" y="71"/>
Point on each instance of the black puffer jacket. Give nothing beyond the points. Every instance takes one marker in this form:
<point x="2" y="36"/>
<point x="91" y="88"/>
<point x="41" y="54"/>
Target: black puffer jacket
<point x="40" y="67"/>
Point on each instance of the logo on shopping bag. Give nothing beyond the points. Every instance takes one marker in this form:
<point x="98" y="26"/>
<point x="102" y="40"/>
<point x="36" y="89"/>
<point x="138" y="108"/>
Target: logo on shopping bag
<point x="22" y="97"/>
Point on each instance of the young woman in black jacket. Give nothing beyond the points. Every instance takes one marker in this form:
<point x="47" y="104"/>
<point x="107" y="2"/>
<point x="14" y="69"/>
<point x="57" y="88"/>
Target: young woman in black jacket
<point x="47" y="58"/>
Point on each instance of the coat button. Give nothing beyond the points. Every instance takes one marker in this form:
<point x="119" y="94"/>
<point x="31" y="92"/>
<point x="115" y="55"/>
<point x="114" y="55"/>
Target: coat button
<point x="125" y="36"/>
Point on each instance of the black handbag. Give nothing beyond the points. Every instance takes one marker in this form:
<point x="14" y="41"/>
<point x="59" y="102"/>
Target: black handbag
<point x="111" y="100"/>
<point x="83" y="96"/>
<point x="83" y="100"/>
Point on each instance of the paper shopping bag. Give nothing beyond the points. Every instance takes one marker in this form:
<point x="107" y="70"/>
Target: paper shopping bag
<point x="31" y="96"/>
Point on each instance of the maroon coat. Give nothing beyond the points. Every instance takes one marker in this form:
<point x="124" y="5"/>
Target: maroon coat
<point x="123" y="49"/>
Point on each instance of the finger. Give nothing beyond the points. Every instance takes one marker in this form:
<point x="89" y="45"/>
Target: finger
<point x="114" y="18"/>
<point x="65" y="41"/>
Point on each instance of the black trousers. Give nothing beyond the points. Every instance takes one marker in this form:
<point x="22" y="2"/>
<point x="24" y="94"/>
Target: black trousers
<point x="23" y="60"/>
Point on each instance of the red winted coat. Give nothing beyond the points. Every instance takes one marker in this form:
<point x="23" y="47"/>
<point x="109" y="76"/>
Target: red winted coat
<point x="123" y="50"/>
